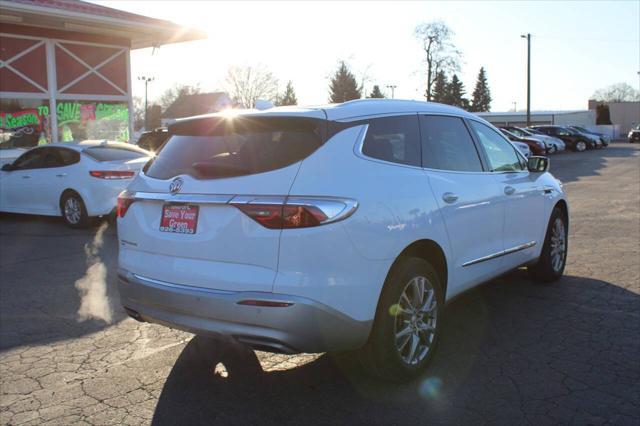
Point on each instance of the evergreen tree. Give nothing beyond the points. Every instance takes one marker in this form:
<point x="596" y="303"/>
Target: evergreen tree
<point x="343" y="86"/>
<point x="481" y="98"/>
<point x="456" y="92"/>
<point x="288" y="97"/>
<point x="376" y="93"/>
<point x="439" y="91"/>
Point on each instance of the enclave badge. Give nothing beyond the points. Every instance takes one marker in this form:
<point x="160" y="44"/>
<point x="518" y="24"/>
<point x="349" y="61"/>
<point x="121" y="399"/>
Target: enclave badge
<point x="176" y="185"/>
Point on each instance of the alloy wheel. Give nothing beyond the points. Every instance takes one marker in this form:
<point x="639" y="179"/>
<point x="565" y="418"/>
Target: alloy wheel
<point x="416" y="320"/>
<point x="581" y="146"/>
<point x="558" y="245"/>
<point x="72" y="210"/>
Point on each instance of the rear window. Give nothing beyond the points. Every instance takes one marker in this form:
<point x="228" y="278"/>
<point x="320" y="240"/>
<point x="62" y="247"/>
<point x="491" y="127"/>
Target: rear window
<point x="394" y="139"/>
<point x="115" y="153"/>
<point x="239" y="146"/>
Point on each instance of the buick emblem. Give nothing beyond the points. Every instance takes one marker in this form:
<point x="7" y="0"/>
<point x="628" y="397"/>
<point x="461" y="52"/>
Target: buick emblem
<point x="176" y="185"/>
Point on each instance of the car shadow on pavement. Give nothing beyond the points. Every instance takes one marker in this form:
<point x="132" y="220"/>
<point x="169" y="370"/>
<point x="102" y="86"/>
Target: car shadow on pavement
<point x="513" y="352"/>
<point x="591" y="162"/>
<point x="40" y="261"/>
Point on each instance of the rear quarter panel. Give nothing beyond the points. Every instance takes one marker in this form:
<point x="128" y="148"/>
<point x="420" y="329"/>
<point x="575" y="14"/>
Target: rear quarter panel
<point x="345" y="264"/>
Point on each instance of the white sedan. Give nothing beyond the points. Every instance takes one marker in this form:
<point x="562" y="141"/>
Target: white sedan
<point x="77" y="181"/>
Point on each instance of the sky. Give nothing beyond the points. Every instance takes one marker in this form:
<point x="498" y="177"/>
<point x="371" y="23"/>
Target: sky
<point x="576" y="47"/>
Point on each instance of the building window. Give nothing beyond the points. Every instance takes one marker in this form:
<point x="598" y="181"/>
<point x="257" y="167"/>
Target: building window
<point x="80" y="120"/>
<point x="24" y="123"/>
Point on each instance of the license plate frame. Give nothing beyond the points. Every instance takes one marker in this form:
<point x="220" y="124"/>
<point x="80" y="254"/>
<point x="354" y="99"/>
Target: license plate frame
<point x="179" y="219"/>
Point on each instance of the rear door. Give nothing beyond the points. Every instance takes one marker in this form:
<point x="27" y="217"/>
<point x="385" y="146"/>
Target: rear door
<point x="182" y="230"/>
<point x="468" y="198"/>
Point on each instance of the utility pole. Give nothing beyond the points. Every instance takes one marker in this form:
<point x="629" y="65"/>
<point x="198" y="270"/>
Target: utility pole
<point x="146" y="80"/>
<point x="528" y="37"/>
<point x="393" y="89"/>
<point x="514" y="106"/>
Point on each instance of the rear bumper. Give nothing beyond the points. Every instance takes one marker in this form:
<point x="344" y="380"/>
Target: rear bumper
<point x="305" y="326"/>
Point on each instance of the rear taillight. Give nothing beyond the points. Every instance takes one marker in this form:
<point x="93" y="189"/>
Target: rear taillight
<point x="112" y="174"/>
<point x="296" y="212"/>
<point x="125" y="199"/>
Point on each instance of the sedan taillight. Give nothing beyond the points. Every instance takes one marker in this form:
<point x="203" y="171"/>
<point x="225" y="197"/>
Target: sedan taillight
<point x="296" y="212"/>
<point x="112" y="174"/>
<point x="125" y="199"/>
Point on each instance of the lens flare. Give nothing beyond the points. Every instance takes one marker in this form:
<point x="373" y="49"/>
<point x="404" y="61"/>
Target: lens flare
<point x="430" y="388"/>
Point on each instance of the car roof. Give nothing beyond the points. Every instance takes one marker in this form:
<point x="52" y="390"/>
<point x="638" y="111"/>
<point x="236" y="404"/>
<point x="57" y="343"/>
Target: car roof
<point x="82" y="145"/>
<point x="346" y="111"/>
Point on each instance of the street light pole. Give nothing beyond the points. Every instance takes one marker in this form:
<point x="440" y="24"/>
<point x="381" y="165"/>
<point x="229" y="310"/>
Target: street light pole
<point x="146" y="80"/>
<point x="393" y="89"/>
<point x="528" y="37"/>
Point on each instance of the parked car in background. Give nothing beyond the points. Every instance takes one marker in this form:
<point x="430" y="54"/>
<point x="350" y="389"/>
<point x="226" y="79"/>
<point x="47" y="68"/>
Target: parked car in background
<point x="523" y="148"/>
<point x="552" y="144"/>
<point x="603" y="138"/>
<point x="153" y="139"/>
<point x="595" y="139"/>
<point x="344" y="227"/>
<point x="75" y="180"/>
<point x="573" y="140"/>
<point x="634" y="135"/>
<point x="536" y="146"/>
<point x="559" y="142"/>
<point x="14" y="143"/>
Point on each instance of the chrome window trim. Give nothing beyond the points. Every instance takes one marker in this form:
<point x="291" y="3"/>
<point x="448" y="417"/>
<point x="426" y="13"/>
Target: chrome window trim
<point x="500" y="253"/>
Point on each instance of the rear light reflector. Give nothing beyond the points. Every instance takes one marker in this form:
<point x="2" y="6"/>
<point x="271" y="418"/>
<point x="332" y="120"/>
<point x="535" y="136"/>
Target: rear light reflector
<point x="265" y="303"/>
<point x="296" y="212"/>
<point x="112" y="174"/>
<point x="125" y="199"/>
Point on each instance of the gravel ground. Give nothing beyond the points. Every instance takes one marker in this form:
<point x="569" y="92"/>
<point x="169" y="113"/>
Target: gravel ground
<point x="513" y="352"/>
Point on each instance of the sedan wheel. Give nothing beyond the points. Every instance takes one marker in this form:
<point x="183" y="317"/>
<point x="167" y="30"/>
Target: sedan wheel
<point x="581" y="146"/>
<point x="73" y="210"/>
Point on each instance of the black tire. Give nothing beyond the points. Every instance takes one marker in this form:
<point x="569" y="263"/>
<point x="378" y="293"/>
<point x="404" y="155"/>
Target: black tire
<point x="381" y="356"/>
<point x="73" y="210"/>
<point x="550" y="268"/>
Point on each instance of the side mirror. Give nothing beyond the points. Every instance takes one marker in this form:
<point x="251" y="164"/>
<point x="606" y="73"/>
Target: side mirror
<point x="7" y="167"/>
<point x="538" y="164"/>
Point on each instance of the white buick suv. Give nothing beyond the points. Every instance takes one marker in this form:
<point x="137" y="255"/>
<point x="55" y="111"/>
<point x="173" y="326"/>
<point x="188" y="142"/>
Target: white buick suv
<point x="343" y="227"/>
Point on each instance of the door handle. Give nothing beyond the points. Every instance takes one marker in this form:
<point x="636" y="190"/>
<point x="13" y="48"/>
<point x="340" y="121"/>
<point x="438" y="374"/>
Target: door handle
<point x="509" y="190"/>
<point x="449" y="197"/>
<point x="26" y="177"/>
<point x="61" y="175"/>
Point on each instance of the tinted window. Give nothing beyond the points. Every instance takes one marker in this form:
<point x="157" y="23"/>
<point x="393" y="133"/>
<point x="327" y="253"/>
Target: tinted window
<point x="502" y="155"/>
<point x="152" y="141"/>
<point x="29" y="160"/>
<point x="448" y="144"/>
<point x="395" y="139"/>
<point x="224" y="147"/>
<point x="115" y="153"/>
<point x="68" y="156"/>
<point x="51" y="158"/>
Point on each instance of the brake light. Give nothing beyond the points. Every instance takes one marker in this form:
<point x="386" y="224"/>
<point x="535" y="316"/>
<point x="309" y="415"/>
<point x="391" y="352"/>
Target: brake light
<point x="125" y="199"/>
<point x="297" y="212"/>
<point x="112" y="174"/>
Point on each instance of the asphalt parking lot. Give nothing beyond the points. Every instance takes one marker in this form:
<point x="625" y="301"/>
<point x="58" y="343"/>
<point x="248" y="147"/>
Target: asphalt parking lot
<point x="513" y="352"/>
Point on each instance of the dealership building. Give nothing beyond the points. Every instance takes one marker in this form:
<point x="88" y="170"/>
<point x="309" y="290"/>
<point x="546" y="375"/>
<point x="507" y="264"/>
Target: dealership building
<point x="65" y="69"/>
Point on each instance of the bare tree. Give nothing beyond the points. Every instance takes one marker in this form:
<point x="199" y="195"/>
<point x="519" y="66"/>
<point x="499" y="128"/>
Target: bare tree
<point x="247" y="84"/>
<point x="619" y="92"/>
<point x="440" y="52"/>
<point x="177" y="91"/>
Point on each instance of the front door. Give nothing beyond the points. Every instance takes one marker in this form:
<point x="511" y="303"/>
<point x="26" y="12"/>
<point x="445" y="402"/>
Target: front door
<point x="521" y="194"/>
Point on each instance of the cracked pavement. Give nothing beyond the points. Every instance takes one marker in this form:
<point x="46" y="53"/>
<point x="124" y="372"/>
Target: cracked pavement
<point x="513" y="352"/>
